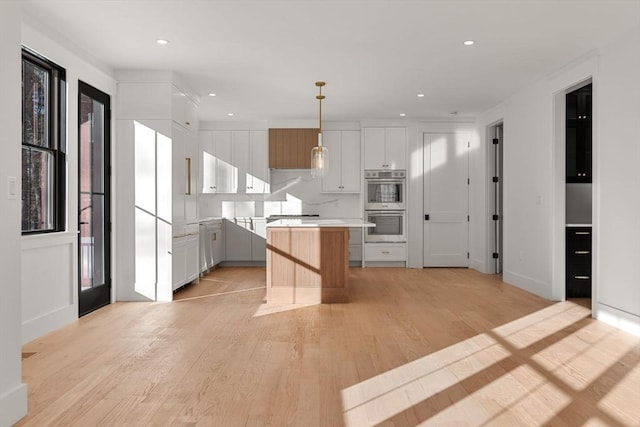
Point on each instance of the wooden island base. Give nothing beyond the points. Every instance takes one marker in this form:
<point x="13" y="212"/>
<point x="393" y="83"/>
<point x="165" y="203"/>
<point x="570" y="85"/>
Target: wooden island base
<point x="307" y="265"/>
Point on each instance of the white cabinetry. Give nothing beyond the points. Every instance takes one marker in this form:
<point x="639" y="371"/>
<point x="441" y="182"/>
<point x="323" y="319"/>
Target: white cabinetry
<point x="250" y="151"/>
<point x="218" y="175"/>
<point x="217" y="247"/>
<point x="159" y="120"/>
<point x="211" y="244"/>
<point x="343" y="173"/>
<point x="245" y="239"/>
<point x="259" y="240"/>
<point x="234" y="161"/>
<point x="385" y="148"/>
<point x="385" y="252"/>
<point x="355" y="244"/>
<point x="183" y="178"/>
<point x="184" y="260"/>
<point x="185" y="111"/>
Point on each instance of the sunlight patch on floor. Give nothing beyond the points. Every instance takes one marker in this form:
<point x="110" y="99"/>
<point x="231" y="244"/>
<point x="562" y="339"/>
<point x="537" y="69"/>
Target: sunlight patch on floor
<point x="465" y="381"/>
<point x="219" y="294"/>
<point x="266" y="309"/>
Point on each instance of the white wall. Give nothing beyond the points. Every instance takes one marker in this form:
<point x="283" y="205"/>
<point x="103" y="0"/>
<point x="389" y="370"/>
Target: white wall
<point x="13" y="394"/>
<point x="534" y="213"/>
<point x="618" y="157"/>
<point x="50" y="262"/>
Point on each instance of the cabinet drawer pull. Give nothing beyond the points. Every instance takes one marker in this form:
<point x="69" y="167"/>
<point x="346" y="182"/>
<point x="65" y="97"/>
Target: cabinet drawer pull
<point x="385" y="252"/>
<point x="581" y="277"/>
<point x="583" y="233"/>
<point x="582" y="252"/>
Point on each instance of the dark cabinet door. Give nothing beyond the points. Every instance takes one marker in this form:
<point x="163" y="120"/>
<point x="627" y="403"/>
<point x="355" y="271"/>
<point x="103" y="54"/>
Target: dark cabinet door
<point x="579" y="135"/>
<point x="578" y="259"/>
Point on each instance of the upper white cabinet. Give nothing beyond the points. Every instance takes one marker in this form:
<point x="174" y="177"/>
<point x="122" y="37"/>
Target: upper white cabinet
<point x="184" y="109"/>
<point x="184" y="177"/>
<point x="343" y="173"/>
<point x="258" y="176"/>
<point x="385" y="148"/>
<point x="217" y="171"/>
<point x="250" y="150"/>
<point x="234" y="161"/>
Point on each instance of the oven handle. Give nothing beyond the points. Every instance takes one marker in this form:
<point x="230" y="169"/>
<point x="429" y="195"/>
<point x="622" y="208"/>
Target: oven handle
<point x="385" y="181"/>
<point x="386" y="213"/>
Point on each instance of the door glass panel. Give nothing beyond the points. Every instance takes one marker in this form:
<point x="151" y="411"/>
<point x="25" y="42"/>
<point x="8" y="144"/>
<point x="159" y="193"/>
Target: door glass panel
<point x="91" y="218"/>
<point x="98" y="228"/>
<point x="86" y="242"/>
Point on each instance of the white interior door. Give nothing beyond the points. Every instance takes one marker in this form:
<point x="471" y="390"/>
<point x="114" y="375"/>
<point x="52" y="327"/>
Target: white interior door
<point x="446" y="200"/>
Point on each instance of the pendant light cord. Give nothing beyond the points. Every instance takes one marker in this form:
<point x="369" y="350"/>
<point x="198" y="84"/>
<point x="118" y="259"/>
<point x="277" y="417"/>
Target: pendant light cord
<point x="320" y="97"/>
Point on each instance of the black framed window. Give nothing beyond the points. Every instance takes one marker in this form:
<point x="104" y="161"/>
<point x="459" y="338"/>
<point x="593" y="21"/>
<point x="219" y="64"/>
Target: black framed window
<point x="43" y="145"/>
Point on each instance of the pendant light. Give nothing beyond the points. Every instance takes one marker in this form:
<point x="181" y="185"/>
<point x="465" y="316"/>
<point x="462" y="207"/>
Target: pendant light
<point x="319" y="154"/>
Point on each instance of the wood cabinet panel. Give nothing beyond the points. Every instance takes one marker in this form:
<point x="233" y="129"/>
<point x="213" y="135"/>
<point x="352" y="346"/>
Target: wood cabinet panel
<point x="307" y="265"/>
<point x="290" y="148"/>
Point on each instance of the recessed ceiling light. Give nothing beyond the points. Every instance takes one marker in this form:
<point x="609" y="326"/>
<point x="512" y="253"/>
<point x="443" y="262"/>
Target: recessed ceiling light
<point x="402" y="114"/>
<point x="421" y="95"/>
<point x="469" y="42"/>
<point x="212" y="94"/>
<point x="229" y="114"/>
<point x="162" y="41"/>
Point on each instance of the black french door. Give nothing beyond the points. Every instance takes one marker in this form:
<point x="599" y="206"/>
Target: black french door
<point x="94" y="221"/>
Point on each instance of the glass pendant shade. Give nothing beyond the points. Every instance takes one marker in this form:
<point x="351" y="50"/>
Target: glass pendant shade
<point x="319" y="159"/>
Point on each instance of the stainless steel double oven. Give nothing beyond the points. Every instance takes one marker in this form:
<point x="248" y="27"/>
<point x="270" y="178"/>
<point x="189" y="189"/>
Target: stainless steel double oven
<point x="385" y="206"/>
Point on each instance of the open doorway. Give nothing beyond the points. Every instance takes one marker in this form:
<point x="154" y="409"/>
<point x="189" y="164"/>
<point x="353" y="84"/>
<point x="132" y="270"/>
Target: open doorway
<point x="495" y="136"/>
<point x="578" y="193"/>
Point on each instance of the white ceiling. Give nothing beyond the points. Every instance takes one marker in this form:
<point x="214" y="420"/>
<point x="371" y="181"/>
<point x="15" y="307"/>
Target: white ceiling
<point x="262" y="57"/>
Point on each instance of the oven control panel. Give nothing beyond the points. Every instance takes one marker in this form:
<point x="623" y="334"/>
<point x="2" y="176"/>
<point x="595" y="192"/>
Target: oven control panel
<point x="385" y="174"/>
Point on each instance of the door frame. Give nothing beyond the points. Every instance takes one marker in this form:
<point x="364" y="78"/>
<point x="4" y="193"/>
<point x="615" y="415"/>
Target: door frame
<point x="489" y="136"/>
<point x="101" y="296"/>
<point x="559" y="287"/>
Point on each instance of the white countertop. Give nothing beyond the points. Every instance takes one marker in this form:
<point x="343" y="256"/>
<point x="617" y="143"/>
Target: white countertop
<point x="315" y="222"/>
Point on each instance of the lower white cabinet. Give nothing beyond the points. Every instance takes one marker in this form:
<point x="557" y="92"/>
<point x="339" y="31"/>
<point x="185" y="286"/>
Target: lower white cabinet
<point x="211" y="244"/>
<point x="245" y="239"/>
<point x="385" y="252"/>
<point x="217" y="244"/>
<point x="355" y="244"/>
<point x="192" y="261"/>
<point x="179" y="262"/>
<point x="184" y="260"/>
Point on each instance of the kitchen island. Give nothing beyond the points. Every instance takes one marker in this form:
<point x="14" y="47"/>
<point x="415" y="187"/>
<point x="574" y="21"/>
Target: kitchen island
<point x="308" y="260"/>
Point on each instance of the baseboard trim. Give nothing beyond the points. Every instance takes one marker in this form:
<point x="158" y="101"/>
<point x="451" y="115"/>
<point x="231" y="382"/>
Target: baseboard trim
<point x="619" y="319"/>
<point x="528" y="284"/>
<point x="13" y="405"/>
<point x="478" y="265"/>
<point x="243" y="264"/>
<point x="35" y="328"/>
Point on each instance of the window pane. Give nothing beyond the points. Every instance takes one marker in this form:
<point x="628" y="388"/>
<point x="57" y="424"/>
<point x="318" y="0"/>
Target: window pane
<point x="35" y="105"/>
<point x="37" y="190"/>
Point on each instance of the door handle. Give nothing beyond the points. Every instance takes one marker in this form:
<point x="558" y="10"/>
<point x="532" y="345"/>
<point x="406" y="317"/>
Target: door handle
<point x="426" y="217"/>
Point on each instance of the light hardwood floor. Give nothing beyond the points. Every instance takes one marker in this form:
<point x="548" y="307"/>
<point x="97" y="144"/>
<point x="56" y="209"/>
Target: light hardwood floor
<point x="412" y="347"/>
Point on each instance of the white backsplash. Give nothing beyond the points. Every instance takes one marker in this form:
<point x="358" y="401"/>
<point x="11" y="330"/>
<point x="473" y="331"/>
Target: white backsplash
<point x="293" y="191"/>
